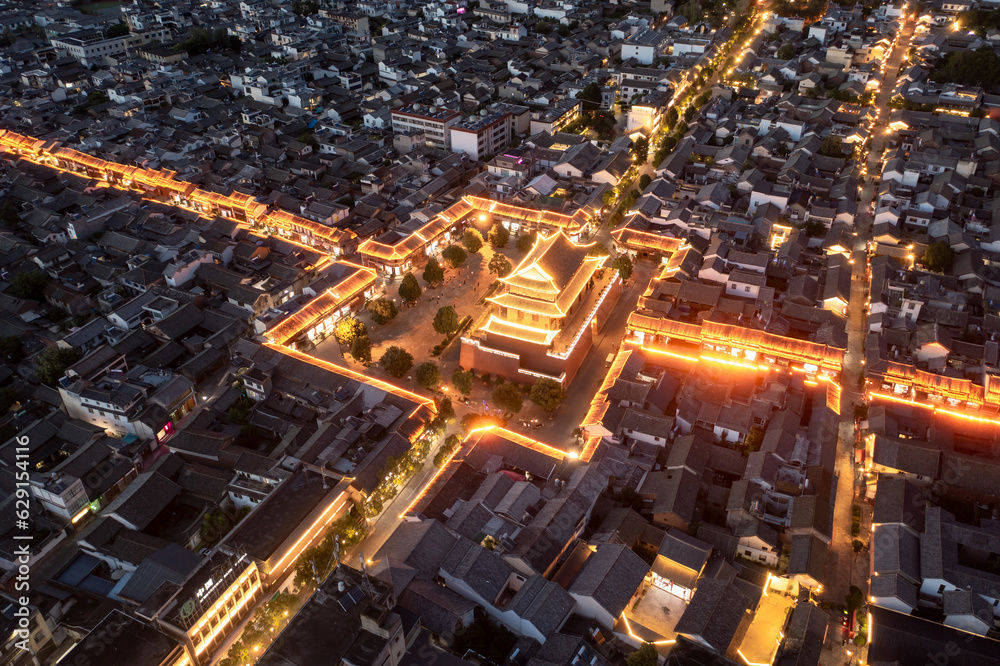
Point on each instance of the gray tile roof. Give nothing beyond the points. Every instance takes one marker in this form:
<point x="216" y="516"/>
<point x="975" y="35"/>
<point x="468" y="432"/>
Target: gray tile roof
<point x="610" y="576"/>
<point x="143" y="499"/>
<point x="483" y="570"/>
<point x="715" y="614"/>
<point x="543" y="603"/>
<point x="423" y="546"/>
<point x="898" y="500"/>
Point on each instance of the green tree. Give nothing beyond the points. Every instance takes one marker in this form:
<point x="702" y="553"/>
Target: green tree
<point x="500" y="265"/>
<point x="640" y="150"/>
<point x="623" y="265"/>
<point x="526" y="241"/>
<point x="507" y="398"/>
<point x="753" y="440"/>
<point x="433" y="273"/>
<point x="8" y="397"/>
<point x="472" y="240"/>
<point x="307" y="138"/>
<point x="446" y="411"/>
<point x="409" y="290"/>
<point x="307" y="8"/>
<point x="672" y="117"/>
<point x="598" y="250"/>
<point x="349" y="329"/>
<point x="428" y="375"/>
<point x="644" y="181"/>
<point x="547" y="394"/>
<point x="10" y="216"/>
<point x="462" y="381"/>
<point x="240" y="411"/>
<point x="451" y="444"/>
<point x="361" y="350"/>
<point x="396" y="361"/>
<point x="454" y="255"/>
<point x="117" y="30"/>
<point x="938" y="256"/>
<point x="855" y="598"/>
<point x="786" y="52"/>
<point x="499" y="236"/>
<point x="591" y="96"/>
<point x="29" y="286"/>
<point x="52" y="363"/>
<point x="382" y="310"/>
<point x="644" y="656"/>
<point x="446" y="320"/>
<point x="832" y="146"/>
<point x="979" y="68"/>
<point x="11" y="349"/>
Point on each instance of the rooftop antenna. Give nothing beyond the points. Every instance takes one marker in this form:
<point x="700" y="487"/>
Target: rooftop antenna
<point x="369" y="588"/>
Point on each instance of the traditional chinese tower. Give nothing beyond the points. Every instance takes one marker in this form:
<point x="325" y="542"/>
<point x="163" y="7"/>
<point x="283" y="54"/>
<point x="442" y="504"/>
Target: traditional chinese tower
<point x="542" y="320"/>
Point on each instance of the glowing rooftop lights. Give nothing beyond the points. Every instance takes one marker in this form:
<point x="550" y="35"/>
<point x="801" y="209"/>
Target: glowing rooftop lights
<point x="948" y="411"/>
<point x="520" y="440"/>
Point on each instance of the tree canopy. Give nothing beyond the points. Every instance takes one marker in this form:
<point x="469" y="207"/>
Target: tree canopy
<point x="454" y="255"/>
<point x="396" y="361"/>
<point x="938" y="256"/>
<point x="29" y="285"/>
<point x="202" y="39"/>
<point x="382" y="310"/>
<point x="433" y="273"/>
<point x="462" y="381"/>
<point x="591" y="96"/>
<point x="500" y="265"/>
<point x="117" y="30"/>
<point x="786" y="52"/>
<point x="526" y="242"/>
<point x="832" y="146"/>
<point x="640" y="150"/>
<point x="429" y="375"/>
<point x="499" y="236"/>
<point x="361" y="350"/>
<point x="507" y="398"/>
<point x="446" y="320"/>
<point x="644" y="656"/>
<point x="52" y="363"/>
<point x="349" y="329"/>
<point x="472" y="240"/>
<point x="974" y="68"/>
<point x="409" y="290"/>
<point x="623" y="265"/>
<point x="547" y="394"/>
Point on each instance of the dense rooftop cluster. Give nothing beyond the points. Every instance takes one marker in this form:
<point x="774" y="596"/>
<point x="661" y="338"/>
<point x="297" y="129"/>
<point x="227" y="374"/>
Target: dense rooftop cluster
<point x="735" y="312"/>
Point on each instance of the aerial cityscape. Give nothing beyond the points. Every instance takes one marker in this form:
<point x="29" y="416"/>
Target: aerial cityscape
<point x="500" y="332"/>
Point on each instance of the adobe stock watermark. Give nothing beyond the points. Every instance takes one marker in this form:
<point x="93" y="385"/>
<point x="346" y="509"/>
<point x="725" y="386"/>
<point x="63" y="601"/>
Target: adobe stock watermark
<point x="22" y="524"/>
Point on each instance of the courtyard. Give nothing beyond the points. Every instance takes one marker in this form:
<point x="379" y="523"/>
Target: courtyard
<point x="653" y="616"/>
<point x="761" y="642"/>
<point x="466" y="288"/>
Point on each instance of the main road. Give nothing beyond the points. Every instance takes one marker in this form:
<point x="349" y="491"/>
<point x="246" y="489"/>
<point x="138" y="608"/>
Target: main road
<point x="844" y="567"/>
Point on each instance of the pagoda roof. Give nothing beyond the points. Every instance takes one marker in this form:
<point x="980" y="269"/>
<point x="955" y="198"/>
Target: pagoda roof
<point x="328" y="301"/>
<point x="511" y="329"/>
<point x="551" y="265"/>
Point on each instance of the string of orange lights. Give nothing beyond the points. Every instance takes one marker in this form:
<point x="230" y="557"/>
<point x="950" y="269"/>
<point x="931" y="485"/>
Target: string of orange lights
<point x="475" y="433"/>
<point x="162" y="186"/>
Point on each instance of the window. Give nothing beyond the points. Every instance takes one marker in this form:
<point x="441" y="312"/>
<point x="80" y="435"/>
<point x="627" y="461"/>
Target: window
<point x="746" y="288"/>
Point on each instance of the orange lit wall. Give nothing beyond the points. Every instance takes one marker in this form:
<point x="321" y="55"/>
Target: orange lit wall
<point x="162" y="185"/>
